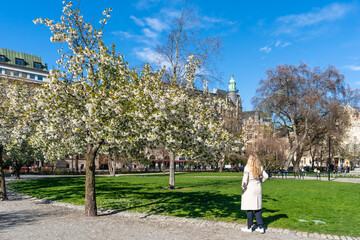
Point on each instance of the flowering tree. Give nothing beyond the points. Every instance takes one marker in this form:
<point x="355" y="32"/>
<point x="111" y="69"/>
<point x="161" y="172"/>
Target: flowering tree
<point x="186" y="122"/>
<point x="16" y="99"/>
<point x="92" y="100"/>
<point x="6" y="125"/>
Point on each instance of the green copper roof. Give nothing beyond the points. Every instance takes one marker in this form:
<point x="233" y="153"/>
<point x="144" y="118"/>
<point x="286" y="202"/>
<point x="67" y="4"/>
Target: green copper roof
<point x="29" y="59"/>
<point x="232" y="84"/>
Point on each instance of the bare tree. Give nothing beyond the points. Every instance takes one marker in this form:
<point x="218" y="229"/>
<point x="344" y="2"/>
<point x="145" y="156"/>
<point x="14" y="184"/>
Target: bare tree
<point x="302" y="100"/>
<point x="270" y="148"/>
<point x="184" y="40"/>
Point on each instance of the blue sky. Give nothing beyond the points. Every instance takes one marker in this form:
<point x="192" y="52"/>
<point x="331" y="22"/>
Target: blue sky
<point x="256" y="35"/>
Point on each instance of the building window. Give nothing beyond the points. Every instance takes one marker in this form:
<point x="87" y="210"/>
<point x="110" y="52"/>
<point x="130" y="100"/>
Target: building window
<point x="40" y="78"/>
<point x="37" y="65"/>
<point x="16" y="73"/>
<point x="24" y="75"/>
<point x="32" y="76"/>
<point x="2" y="58"/>
<point x="0" y="70"/>
<point x="19" y="61"/>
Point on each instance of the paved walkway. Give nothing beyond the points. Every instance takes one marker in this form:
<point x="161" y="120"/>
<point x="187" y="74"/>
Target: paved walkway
<point x="29" y="218"/>
<point x="323" y="178"/>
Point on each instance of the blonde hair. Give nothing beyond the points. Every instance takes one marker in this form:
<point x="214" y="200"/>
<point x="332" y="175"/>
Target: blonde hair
<point x="254" y="165"/>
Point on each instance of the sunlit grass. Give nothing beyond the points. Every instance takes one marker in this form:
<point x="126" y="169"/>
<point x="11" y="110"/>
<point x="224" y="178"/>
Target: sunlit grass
<point x="214" y="196"/>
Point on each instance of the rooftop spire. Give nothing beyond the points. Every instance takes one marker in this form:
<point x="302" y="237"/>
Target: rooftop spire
<point x="232" y="84"/>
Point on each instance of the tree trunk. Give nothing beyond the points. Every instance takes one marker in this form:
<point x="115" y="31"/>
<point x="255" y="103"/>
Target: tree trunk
<point x="112" y="164"/>
<point x="17" y="169"/>
<point x="172" y="172"/>
<point x="296" y="161"/>
<point x="90" y="194"/>
<point x="163" y="166"/>
<point x="298" y="142"/>
<point x="77" y="156"/>
<point x="312" y="155"/>
<point x="3" y="195"/>
<point x="222" y="164"/>
<point x="72" y="164"/>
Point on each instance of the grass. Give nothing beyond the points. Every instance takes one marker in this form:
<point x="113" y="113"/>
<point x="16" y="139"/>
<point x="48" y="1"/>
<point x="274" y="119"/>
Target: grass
<point x="214" y="196"/>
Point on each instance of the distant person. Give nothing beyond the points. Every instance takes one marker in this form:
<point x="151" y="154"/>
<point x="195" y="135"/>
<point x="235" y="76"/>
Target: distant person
<point x="302" y="173"/>
<point x="345" y="168"/>
<point x="251" y="199"/>
<point x="317" y="172"/>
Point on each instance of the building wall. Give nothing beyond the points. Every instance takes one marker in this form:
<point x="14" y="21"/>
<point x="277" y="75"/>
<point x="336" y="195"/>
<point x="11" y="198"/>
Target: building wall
<point x="22" y="67"/>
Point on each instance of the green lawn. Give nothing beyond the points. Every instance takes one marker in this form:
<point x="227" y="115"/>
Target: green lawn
<point x="214" y="196"/>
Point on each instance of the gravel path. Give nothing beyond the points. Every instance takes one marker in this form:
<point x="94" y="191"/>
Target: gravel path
<point x="28" y="218"/>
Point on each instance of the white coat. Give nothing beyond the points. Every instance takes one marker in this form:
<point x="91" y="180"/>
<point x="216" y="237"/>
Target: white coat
<point x="251" y="198"/>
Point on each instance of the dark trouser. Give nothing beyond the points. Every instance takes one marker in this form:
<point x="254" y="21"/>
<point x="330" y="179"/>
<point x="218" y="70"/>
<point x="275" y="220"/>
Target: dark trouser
<point x="259" y="219"/>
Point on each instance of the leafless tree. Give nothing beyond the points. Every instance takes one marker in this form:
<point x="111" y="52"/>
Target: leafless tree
<point x="184" y="40"/>
<point x="303" y="103"/>
<point x="270" y="148"/>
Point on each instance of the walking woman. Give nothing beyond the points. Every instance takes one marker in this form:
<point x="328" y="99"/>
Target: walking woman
<point x="251" y="199"/>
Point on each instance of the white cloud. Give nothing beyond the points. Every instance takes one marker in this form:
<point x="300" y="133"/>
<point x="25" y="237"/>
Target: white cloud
<point x="265" y="49"/>
<point x="134" y="37"/>
<point x="353" y="67"/>
<point x="285" y="44"/>
<point x="138" y="21"/>
<point x="328" y="13"/>
<point x="146" y="54"/>
<point x="146" y="4"/>
<point x="293" y="24"/>
<point x="357" y="83"/>
<point x="171" y="13"/>
<point x="212" y="20"/>
<point x="156" y="24"/>
<point x="123" y="34"/>
<point x="149" y="55"/>
<point x="149" y="33"/>
<point x="277" y="43"/>
<point x="217" y="21"/>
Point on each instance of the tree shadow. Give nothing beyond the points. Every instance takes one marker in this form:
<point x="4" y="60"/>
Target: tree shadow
<point x="16" y="218"/>
<point x="195" y="200"/>
<point x="273" y="218"/>
<point x="181" y="203"/>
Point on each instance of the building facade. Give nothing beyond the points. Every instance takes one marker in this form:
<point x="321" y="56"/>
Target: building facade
<point x="351" y="143"/>
<point x="20" y="66"/>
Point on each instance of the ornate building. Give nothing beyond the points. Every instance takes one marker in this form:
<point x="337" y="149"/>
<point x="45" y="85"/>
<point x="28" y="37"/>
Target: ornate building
<point x="249" y="123"/>
<point x="232" y="117"/>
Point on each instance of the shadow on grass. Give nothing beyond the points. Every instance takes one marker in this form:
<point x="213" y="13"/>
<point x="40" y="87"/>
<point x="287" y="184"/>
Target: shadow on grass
<point x="274" y="218"/>
<point x="195" y="200"/>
